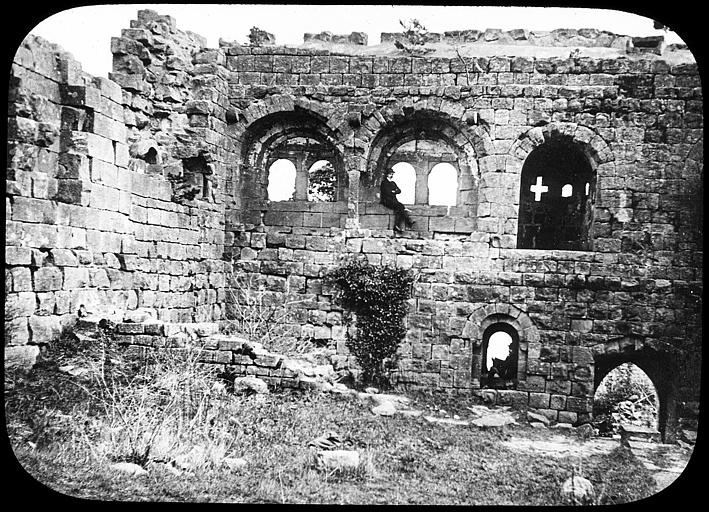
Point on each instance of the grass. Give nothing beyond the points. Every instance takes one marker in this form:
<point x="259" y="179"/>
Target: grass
<point x="66" y="436"/>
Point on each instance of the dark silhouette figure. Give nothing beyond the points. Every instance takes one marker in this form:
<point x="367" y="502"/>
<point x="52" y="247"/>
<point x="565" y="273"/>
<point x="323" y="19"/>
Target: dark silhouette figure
<point x="388" y="192"/>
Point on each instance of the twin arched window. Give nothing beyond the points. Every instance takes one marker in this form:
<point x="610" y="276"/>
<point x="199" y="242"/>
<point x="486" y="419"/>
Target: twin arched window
<point x="320" y="181"/>
<point x="440" y="186"/>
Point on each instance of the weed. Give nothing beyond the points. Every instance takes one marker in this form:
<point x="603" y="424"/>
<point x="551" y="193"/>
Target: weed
<point x="263" y="315"/>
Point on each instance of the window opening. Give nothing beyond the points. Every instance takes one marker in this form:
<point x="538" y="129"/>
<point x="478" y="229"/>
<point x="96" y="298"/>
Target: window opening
<point x="322" y="182"/>
<point x="538" y="189"/>
<point x="281" y="180"/>
<point x="443" y="185"/>
<point x="554" y="213"/>
<point x="500" y="342"/>
<point x="405" y="178"/>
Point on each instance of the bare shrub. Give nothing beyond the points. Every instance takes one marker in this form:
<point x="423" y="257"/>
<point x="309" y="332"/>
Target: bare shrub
<point x="265" y="316"/>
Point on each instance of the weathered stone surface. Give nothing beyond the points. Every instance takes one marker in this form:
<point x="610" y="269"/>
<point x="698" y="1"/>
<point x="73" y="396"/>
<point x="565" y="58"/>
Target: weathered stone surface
<point x="250" y="385"/>
<point x="139" y="174"/>
<point x="578" y="490"/>
<point x="128" y="469"/>
<point x="22" y="357"/>
<point x="338" y="459"/>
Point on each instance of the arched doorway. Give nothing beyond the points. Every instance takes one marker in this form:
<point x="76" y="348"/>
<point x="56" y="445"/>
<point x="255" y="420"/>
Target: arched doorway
<point x="625" y="396"/>
<point x="662" y="372"/>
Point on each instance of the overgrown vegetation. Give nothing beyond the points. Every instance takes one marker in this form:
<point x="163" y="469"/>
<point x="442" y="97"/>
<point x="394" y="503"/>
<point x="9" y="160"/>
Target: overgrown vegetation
<point x="404" y="460"/>
<point x="259" y="37"/>
<point x="414" y="38"/>
<point x="265" y="316"/>
<point x="378" y="296"/>
<point x="626" y="395"/>
<point x="92" y="395"/>
<point x="322" y="183"/>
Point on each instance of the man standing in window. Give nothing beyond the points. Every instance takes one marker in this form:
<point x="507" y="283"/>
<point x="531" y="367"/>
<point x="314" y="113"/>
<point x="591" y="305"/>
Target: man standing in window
<point x="387" y="193"/>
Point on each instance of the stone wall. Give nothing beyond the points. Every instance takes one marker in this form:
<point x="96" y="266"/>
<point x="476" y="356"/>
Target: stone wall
<point x="95" y="221"/>
<point x="150" y="188"/>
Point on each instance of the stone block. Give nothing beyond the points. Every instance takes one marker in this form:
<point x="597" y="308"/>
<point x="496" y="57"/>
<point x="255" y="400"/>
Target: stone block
<point x="48" y="279"/>
<point x="558" y="387"/>
<point x="21" y="279"/>
<point x="75" y="278"/>
<point x="512" y="398"/>
<point x="64" y="258"/>
<point x="557" y="402"/>
<point x="44" y="329"/>
<point x="567" y="417"/>
<point x="539" y="400"/>
<point x="80" y="96"/>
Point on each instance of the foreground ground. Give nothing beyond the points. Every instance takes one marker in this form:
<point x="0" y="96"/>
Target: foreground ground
<point x="405" y="461"/>
<point x="201" y="443"/>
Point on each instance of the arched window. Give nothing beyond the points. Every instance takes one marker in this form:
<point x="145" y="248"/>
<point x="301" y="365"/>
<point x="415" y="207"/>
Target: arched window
<point x="500" y="356"/>
<point x="281" y="180"/>
<point x="443" y="185"/>
<point x="322" y="182"/>
<point x="405" y="178"/>
<point x="555" y="205"/>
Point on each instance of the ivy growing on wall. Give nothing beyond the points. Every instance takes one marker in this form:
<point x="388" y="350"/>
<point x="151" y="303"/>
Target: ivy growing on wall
<point x="378" y="296"/>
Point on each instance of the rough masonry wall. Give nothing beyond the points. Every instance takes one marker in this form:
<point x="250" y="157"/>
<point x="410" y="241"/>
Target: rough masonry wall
<point x="94" y="218"/>
<point x="637" y="118"/>
<point x="149" y="188"/>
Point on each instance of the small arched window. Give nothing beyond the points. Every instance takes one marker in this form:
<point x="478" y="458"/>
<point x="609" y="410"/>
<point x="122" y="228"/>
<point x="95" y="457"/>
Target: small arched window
<point x="281" y="180"/>
<point x="500" y="356"/>
<point x="405" y="178"/>
<point x="443" y="185"/>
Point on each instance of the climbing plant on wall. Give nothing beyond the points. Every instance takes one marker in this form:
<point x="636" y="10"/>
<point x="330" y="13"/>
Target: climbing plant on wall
<point x="378" y="296"/>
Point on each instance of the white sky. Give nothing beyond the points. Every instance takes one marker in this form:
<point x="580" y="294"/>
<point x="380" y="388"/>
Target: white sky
<point x="86" y="32"/>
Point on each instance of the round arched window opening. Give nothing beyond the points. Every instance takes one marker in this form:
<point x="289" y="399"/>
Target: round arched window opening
<point x="499" y="356"/>
<point x="443" y="185"/>
<point x="322" y="182"/>
<point x="281" y="180"/>
<point x="405" y="179"/>
<point x="556" y="200"/>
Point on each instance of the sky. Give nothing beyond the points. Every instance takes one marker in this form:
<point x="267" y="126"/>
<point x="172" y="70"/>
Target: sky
<point x="86" y="31"/>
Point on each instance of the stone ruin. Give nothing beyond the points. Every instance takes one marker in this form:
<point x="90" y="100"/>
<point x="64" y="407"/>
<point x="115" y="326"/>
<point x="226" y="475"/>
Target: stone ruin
<point x="575" y="226"/>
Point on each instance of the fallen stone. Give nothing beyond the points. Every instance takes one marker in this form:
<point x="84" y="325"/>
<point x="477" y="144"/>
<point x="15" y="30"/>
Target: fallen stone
<point x="493" y="421"/>
<point x="689" y="436"/>
<point x="446" y="421"/>
<point x="371" y="390"/>
<point x="578" y="490"/>
<point x="382" y="398"/>
<point x="340" y="388"/>
<point x="140" y="315"/>
<point x="21" y="357"/>
<point x="537" y="424"/>
<point x="384" y="409"/>
<point x="72" y="370"/>
<point x="129" y="469"/>
<point x="634" y="432"/>
<point x="537" y="418"/>
<point x="338" y="459"/>
<point x="250" y="385"/>
<point x="563" y="426"/>
<point x="409" y="412"/>
<point x="329" y="441"/>
<point x="235" y="463"/>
